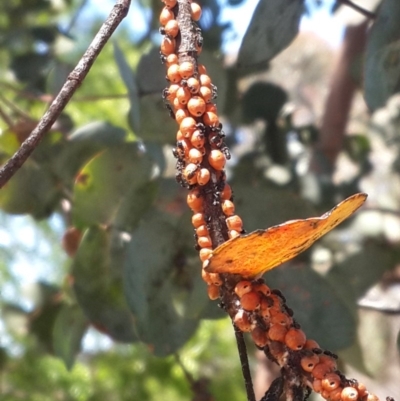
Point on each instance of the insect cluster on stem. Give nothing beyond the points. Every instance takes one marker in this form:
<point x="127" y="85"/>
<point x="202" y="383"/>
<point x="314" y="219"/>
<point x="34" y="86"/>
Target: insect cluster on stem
<point x="200" y="149"/>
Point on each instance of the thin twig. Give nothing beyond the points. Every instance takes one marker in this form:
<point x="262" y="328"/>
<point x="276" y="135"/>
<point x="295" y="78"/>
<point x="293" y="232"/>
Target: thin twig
<point x="5" y="117"/>
<point x="361" y="10"/>
<point x="244" y="363"/>
<point x="75" y="17"/>
<point x="74" y="80"/>
<point x="15" y="108"/>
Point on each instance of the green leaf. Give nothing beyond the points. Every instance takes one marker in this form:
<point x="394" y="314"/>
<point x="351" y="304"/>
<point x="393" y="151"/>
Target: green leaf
<point x="83" y="144"/>
<point x="3" y="358"/>
<point x="135" y="205"/>
<point x="128" y="77"/>
<point x="275" y="23"/>
<point x="98" y="284"/>
<point x="151" y="73"/>
<point x="263" y="206"/>
<point x="32" y="190"/>
<point x="354" y="357"/>
<point x="43" y="318"/>
<point x="358" y="147"/>
<point x="45" y="33"/>
<point x="31" y="68"/>
<point x="216" y="70"/>
<point x="382" y="66"/>
<point x="158" y="154"/>
<point x="317" y="307"/>
<point x="57" y="76"/>
<point x="68" y="331"/>
<point x="374" y="338"/>
<point x="156" y="123"/>
<point x="100" y="132"/>
<point x="154" y="272"/>
<point x="9" y="144"/>
<point x="356" y="274"/>
<point x="104" y="184"/>
<point x="189" y="289"/>
<point x="263" y="100"/>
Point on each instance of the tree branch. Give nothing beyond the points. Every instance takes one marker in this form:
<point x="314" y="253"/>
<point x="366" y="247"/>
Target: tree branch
<point x="74" y="80"/>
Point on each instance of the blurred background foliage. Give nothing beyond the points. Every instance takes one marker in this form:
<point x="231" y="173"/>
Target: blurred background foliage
<point x="101" y="294"/>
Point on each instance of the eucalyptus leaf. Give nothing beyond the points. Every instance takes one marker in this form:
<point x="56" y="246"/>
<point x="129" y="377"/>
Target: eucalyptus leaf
<point x="128" y="77"/>
<point x="98" y="286"/>
<point x="150" y="74"/>
<point x="157" y="152"/>
<point x="32" y="190"/>
<point x="36" y="179"/>
<point x="263" y="206"/>
<point x="216" y="70"/>
<point x="382" y="65"/>
<point x="9" y="144"/>
<point x="68" y="331"/>
<point x="156" y="123"/>
<point x="101" y="132"/>
<point x="83" y="144"/>
<point x="320" y="311"/>
<point x="155" y="282"/>
<point x="105" y="183"/>
<point x="275" y="23"/>
<point x="57" y="77"/>
<point x="31" y="68"/>
<point x="353" y="355"/>
<point x="374" y="338"/>
<point x="134" y="205"/>
<point x="360" y="271"/>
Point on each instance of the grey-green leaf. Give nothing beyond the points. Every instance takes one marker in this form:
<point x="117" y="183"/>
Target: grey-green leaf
<point x="355" y="275"/>
<point x="150" y="74"/>
<point x="98" y="285"/>
<point x="83" y="144"/>
<point x="151" y="288"/>
<point x="275" y="23"/>
<point x="105" y="183"/>
<point x="68" y="330"/>
<point x="382" y="66"/>
<point x="321" y="313"/>
<point x="128" y="77"/>
<point x="100" y="132"/>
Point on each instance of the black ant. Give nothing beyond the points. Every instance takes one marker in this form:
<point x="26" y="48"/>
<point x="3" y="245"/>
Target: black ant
<point x="214" y="90"/>
<point x="170" y="111"/>
<point x="163" y="58"/>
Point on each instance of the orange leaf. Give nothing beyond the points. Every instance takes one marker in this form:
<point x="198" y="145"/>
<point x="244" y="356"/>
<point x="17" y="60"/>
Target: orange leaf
<point x="253" y="254"/>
